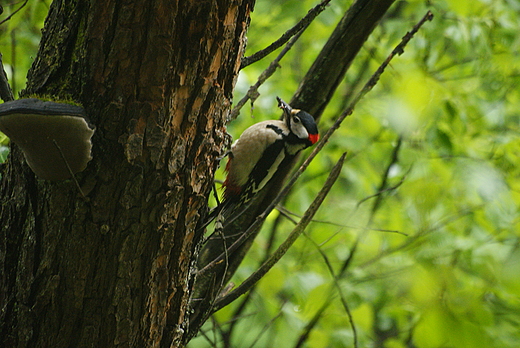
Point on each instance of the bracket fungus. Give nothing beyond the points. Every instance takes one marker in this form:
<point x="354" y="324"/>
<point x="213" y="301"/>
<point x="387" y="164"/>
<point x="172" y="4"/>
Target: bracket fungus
<point x="55" y="137"/>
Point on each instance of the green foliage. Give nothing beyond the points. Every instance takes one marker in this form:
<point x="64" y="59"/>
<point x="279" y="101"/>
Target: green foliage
<point x="448" y="274"/>
<point x="4" y="149"/>
<point x="19" y="38"/>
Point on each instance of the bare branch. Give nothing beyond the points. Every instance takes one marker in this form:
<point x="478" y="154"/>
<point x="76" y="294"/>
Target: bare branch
<point x="295" y="32"/>
<point x="252" y="94"/>
<point x="299" y="27"/>
<point x="349" y="313"/>
<point x="208" y="339"/>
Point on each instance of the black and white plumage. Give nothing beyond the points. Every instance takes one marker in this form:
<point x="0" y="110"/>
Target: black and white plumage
<point x="263" y="149"/>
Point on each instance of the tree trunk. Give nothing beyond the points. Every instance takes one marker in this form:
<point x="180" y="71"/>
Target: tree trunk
<point x="111" y="264"/>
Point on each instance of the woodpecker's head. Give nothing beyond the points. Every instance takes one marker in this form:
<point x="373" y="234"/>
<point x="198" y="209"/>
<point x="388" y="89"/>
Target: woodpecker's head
<point x="300" y="123"/>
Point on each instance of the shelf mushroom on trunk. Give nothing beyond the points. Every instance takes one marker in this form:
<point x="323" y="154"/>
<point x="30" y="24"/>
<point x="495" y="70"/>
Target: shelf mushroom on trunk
<point x="55" y="137"/>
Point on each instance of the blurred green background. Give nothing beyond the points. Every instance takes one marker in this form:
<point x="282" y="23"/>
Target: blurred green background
<point x="437" y="262"/>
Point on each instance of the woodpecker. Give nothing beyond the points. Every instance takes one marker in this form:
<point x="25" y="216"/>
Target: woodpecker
<point x="264" y="148"/>
<point x="261" y="151"/>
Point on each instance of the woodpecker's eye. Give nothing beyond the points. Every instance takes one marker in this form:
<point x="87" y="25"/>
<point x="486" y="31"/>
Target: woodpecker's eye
<point x="296" y="119"/>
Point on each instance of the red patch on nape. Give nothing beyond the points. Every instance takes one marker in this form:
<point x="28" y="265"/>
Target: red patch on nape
<point x="313" y="138"/>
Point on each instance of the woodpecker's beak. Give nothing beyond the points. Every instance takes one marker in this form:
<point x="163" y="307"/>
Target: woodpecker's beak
<point x="313" y="138"/>
<point x="283" y="105"/>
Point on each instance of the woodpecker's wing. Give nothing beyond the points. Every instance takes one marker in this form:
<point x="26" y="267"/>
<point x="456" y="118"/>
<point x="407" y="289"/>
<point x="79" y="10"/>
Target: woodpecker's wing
<point x="273" y="156"/>
<point x="250" y="157"/>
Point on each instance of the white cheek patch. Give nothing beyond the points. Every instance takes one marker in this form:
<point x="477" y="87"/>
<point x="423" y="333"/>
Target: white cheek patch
<point x="299" y="130"/>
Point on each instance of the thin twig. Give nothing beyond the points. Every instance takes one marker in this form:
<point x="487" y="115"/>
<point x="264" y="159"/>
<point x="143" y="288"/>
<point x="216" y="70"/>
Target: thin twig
<point x="287" y="213"/>
<point x="217" y="328"/>
<point x="413" y="239"/>
<point x="317" y="316"/>
<point x="69" y="168"/>
<point x="303" y="23"/>
<point x="384" y="181"/>
<point x="282" y="249"/>
<point x="349" y="313"/>
<point x="336" y="278"/>
<point x="14" y="12"/>
<point x="267" y="325"/>
<point x="311" y="324"/>
<point x="237" y="314"/>
<point x="208" y="339"/>
<point x="252" y="94"/>
<point x="380" y="192"/>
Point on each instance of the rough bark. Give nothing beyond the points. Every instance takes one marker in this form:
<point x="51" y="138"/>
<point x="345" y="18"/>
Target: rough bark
<point x="114" y="268"/>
